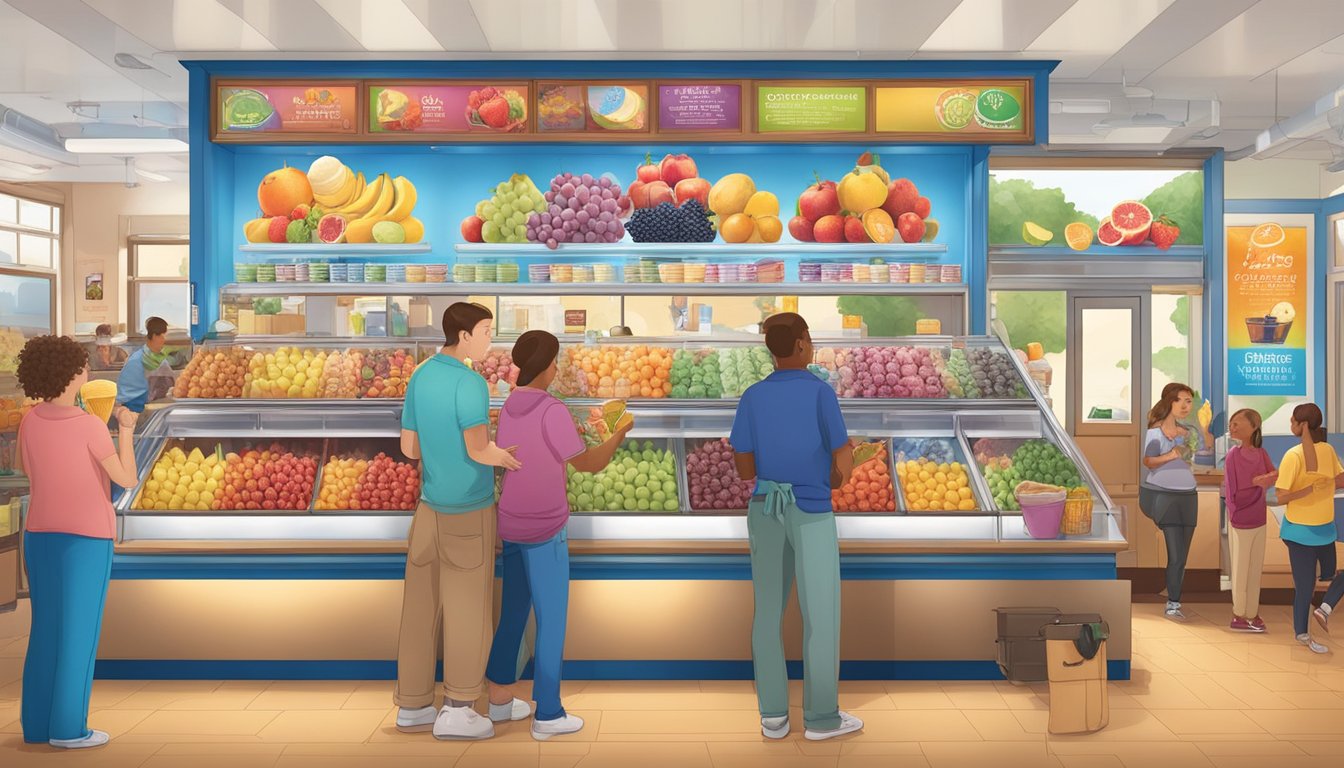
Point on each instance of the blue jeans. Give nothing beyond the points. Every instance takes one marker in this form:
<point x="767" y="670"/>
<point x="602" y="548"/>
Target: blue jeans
<point x="67" y="581"/>
<point x="536" y="578"/>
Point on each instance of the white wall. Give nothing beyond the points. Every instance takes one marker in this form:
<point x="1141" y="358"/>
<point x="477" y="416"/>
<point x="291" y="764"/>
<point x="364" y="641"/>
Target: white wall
<point x="1277" y="179"/>
<point x="101" y="217"/>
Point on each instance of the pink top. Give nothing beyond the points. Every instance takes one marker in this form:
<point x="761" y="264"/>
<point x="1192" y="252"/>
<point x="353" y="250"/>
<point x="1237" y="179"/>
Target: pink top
<point x="533" y="506"/>
<point x="63" y="448"/>
<point x="1245" y="500"/>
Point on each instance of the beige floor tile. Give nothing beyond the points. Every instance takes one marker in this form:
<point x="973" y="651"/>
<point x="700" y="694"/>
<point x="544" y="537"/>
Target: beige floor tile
<point x="918" y="695"/>
<point x="1233" y="746"/>
<point x="359" y="761"/>
<point x="117" y="722"/>
<point x="194" y="725"/>
<point x="662" y="701"/>
<point x="1313" y="699"/>
<point x="761" y="747"/>
<point x="11" y="669"/>
<point x="1125" y="725"/>
<point x="647" y="755"/>
<point x="110" y="693"/>
<point x="862" y="747"/>
<point x="1133" y="754"/>
<point x="1255" y="761"/>
<point x="999" y="754"/>
<point x="918" y="725"/>
<point x="13" y="648"/>
<point x="1089" y="761"/>
<point x="217" y="747"/>
<point x="304" y="695"/>
<point x="1298" y="722"/>
<point x="1254" y="694"/>
<point x="505" y="761"/>
<point x="212" y="761"/>
<point x="230" y="695"/>
<point x="1210" y="692"/>
<point x="974" y="696"/>
<point x="560" y="761"/>
<point x="1322" y="748"/>
<point x="1000" y="725"/>
<point x="882" y="761"/>
<point x="742" y="722"/>
<point x="376" y="695"/>
<point x="1033" y="721"/>
<point x="1160" y="691"/>
<point x="522" y="729"/>
<point x="1191" y="722"/>
<point x="1287" y="681"/>
<point x="156" y="694"/>
<point x="118" y="754"/>
<point x="330" y="726"/>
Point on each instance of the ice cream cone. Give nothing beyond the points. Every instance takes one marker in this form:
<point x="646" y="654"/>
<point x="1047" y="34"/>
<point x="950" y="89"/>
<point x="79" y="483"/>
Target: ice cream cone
<point x="100" y="397"/>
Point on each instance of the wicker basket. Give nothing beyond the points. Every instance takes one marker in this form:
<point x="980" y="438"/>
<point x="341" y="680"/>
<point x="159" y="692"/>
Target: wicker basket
<point x="1077" y="516"/>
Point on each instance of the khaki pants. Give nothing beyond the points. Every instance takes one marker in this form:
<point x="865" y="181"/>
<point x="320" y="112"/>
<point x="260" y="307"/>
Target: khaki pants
<point x="450" y="581"/>
<point x="1247" y="552"/>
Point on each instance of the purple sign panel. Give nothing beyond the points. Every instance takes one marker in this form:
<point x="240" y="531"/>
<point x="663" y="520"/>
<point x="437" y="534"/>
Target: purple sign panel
<point x="700" y="107"/>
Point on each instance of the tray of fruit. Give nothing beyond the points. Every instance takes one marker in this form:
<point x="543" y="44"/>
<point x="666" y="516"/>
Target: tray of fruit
<point x="360" y="475"/>
<point x="231" y="476"/>
<point x="869" y="488"/>
<point x="932" y="477"/>
<point x="712" y="482"/>
<point x="641" y="478"/>
<point x="1006" y="462"/>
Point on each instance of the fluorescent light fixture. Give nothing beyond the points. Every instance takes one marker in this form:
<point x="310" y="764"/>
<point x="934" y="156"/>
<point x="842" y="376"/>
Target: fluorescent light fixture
<point x="151" y="175"/>
<point x="1082" y="106"/>
<point x="125" y="146"/>
<point x="1146" y="120"/>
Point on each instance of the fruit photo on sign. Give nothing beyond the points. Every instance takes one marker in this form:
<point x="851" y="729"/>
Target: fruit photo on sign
<point x="494" y="109"/>
<point x="397" y="111"/>
<point x="560" y="107"/>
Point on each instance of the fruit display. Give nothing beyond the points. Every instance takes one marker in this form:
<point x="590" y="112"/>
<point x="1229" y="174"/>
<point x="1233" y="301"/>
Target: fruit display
<point x="668" y="223"/>
<point x="958" y="379"/>
<point x="341" y="375"/>
<point x="503" y="217"/>
<point x="696" y="375"/>
<point x="638" y="479"/>
<point x="331" y="203"/>
<point x="933" y="478"/>
<point x="743" y="213"/>
<point x="385" y="372"/>
<point x="994" y="375"/>
<point x="214" y="373"/>
<point x="869" y="489"/>
<point x="382" y="483"/>
<point x="741" y="367"/>
<point x="497" y="366"/>
<point x="183" y="481"/>
<point x="1006" y="463"/>
<point x="941" y="450"/>
<point x="623" y="371"/>
<point x="12" y="411"/>
<point x="273" y="477"/>
<point x="287" y="372"/>
<point x="898" y="371"/>
<point x="866" y="206"/>
<point x="712" y="479"/>
<point x="675" y="180"/>
<point x="577" y="209"/>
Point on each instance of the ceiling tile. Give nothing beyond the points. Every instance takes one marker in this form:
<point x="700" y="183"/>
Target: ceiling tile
<point x="293" y="25"/>
<point x="183" y="25"/>
<point x="1092" y="31"/>
<point x="381" y="25"/>
<point x="995" y="25"/>
<point x="1268" y="35"/>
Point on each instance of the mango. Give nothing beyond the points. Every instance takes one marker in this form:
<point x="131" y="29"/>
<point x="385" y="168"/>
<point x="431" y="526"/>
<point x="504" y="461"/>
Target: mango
<point x="730" y="194"/>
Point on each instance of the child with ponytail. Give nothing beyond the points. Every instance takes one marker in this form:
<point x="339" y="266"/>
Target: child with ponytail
<point x="1249" y="474"/>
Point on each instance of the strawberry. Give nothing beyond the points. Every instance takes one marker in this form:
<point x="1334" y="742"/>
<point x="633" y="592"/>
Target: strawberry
<point x="1164" y="232"/>
<point x="495" y="112"/>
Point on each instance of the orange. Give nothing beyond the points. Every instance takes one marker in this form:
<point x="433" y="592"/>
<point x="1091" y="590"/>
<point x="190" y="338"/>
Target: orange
<point x="878" y="225"/>
<point x="1078" y="235"/>
<point x="737" y="228"/>
<point x="360" y="231"/>
<point x="770" y="228"/>
<point x="1267" y="235"/>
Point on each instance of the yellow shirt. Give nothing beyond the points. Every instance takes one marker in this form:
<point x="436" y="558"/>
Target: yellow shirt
<point x="1319" y="507"/>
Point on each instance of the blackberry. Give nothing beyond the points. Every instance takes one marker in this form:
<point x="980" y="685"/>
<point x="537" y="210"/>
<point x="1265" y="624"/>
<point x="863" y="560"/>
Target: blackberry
<point x="667" y="223"/>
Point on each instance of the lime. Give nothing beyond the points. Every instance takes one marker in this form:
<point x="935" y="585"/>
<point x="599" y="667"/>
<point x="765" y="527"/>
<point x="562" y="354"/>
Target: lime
<point x="997" y="109"/>
<point x="956" y="109"/>
<point x="1035" y="234"/>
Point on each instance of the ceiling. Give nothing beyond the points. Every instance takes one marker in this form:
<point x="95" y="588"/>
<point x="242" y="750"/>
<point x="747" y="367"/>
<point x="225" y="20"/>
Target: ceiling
<point x="1139" y="75"/>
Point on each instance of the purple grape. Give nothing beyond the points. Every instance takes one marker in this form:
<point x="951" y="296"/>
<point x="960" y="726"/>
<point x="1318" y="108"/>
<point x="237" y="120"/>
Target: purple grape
<point x="599" y="226"/>
<point x="567" y="215"/>
<point x="576" y="238"/>
<point x="583" y="194"/>
<point x="608" y="194"/>
<point x="582" y="217"/>
<point x="590" y="237"/>
<point x="551" y="243"/>
<point x="574" y="204"/>
<point x="604" y="182"/>
<point x="587" y="179"/>
<point x="607" y="216"/>
<point x="566" y="189"/>
<point x="593" y="209"/>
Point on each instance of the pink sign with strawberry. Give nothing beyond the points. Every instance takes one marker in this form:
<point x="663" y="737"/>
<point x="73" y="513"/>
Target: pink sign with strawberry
<point x="429" y="109"/>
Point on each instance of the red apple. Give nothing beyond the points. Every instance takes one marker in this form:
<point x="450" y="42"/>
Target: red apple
<point x="829" y="229"/>
<point x="693" y="189"/>
<point x="800" y="228"/>
<point x="648" y="171"/>
<point x="818" y="200"/>
<point x="911" y="227"/>
<point x="471" y="229"/>
<point x="923" y="207"/>
<point x="901" y="197"/>
<point x="674" y="168"/>
<point x="854" y="232"/>
<point x="651" y="194"/>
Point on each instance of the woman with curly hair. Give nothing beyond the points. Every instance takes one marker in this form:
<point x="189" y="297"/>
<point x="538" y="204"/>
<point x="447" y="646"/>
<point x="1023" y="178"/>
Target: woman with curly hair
<point x="70" y="459"/>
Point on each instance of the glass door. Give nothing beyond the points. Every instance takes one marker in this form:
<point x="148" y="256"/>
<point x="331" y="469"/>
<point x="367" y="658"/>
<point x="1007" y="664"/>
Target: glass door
<point x="1334" y="381"/>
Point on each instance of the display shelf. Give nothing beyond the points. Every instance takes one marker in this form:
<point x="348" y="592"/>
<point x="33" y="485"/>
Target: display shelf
<point x="724" y="251"/>
<point x="241" y="290"/>
<point x="334" y="250"/>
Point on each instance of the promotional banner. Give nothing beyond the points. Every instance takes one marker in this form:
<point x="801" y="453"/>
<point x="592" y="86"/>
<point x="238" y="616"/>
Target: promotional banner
<point x="270" y="108"/>
<point x="595" y="108"/>
<point x="811" y="109"/>
<point x="700" y="107"/>
<point x="970" y="109"/>
<point x="1268" y="269"/>
<point x="429" y="108"/>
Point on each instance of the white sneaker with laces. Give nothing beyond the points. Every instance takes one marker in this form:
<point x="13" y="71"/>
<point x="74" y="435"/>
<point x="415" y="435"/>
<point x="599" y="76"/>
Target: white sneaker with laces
<point x="775" y="727"/>
<point x="514" y="710"/>
<point x="416" y="720"/>
<point x="462" y="724"/>
<point x="94" y="739"/>
<point x="1311" y="643"/>
<point x="561" y="726"/>
<point x="848" y="724"/>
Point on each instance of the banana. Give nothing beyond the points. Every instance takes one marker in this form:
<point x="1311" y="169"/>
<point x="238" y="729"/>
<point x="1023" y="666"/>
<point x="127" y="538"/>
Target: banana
<point x="341" y="196"/>
<point x="404" y="200"/>
<point x="366" y="200"/>
<point x="385" y="199"/>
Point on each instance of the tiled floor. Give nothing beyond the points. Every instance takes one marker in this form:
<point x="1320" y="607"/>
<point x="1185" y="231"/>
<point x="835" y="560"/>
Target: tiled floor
<point x="1201" y="696"/>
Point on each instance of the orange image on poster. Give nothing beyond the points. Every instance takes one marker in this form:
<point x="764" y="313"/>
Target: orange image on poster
<point x="1267" y="322"/>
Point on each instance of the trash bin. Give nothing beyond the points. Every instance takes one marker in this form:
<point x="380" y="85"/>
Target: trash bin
<point x="1076" y="659"/>
<point x="1021" y="642"/>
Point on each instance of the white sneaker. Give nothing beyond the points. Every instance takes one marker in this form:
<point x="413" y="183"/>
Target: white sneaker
<point x="94" y="739"/>
<point x="462" y="724"/>
<point x="545" y="729"/>
<point x="416" y="720"/>
<point x="1311" y="643"/>
<point x="775" y="727"/>
<point x="514" y="710"/>
<point x="848" y="724"/>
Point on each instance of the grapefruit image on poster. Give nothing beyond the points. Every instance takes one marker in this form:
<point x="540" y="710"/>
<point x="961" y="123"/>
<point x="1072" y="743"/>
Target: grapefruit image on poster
<point x="1267" y="319"/>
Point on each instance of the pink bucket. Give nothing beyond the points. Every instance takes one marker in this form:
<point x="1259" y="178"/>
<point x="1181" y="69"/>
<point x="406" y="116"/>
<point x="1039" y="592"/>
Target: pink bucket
<point x="1043" y="519"/>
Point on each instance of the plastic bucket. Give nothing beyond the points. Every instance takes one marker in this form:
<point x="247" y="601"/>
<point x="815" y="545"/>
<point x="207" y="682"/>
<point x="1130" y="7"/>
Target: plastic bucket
<point x="1043" y="518"/>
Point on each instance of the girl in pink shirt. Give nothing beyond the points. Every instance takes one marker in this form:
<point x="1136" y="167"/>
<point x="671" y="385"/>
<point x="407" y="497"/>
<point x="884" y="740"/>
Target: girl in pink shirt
<point x="70" y="459"/>
<point x="1247" y="475"/>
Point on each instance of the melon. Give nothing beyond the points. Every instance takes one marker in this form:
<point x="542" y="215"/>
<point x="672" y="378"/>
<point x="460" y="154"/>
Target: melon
<point x="331" y="228"/>
<point x="389" y="233"/>
<point x="616" y="108"/>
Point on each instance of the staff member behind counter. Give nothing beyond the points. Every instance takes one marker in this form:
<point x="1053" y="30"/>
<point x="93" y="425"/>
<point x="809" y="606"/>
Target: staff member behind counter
<point x="105" y="354"/>
<point x="133" y="383"/>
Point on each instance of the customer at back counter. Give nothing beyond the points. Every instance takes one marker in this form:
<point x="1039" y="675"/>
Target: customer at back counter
<point x="105" y="355"/>
<point x="133" y="383"/>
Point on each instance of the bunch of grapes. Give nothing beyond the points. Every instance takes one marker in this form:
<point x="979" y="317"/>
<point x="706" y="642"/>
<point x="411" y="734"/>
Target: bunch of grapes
<point x="505" y="214"/>
<point x="712" y="478"/>
<point x="958" y="378"/>
<point x="994" y="375"/>
<point x="939" y="450"/>
<point x="743" y="366"/>
<point x="578" y="209"/>
<point x="696" y="375"/>
<point x="668" y="223"/>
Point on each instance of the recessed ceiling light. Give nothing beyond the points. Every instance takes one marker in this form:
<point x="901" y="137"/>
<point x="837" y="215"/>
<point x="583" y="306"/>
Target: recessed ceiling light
<point x="125" y="146"/>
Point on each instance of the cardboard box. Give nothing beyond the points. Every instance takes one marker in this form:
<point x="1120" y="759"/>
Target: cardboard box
<point x="1078" y="697"/>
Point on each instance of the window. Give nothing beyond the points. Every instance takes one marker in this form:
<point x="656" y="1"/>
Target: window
<point x="30" y="232"/>
<point x="1175" y="329"/>
<point x="1021" y="318"/>
<point x="159" y="283"/>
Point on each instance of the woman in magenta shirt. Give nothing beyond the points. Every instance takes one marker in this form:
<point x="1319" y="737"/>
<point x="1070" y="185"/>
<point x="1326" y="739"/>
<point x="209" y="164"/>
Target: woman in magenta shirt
<point x="533" y="510"/>
<point x="1248" y="473"/>
<point x="69" y="458"/>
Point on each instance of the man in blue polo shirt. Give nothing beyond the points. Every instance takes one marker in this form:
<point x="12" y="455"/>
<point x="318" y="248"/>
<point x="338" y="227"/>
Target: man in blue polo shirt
<point x="133" y="383"/>
<point x="450" y="558"/>
<point x="789" y="436"/>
